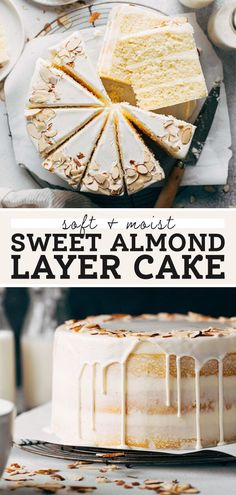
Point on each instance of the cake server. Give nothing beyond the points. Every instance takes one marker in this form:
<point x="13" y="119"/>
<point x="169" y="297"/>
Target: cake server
<point x="203" y="125"/>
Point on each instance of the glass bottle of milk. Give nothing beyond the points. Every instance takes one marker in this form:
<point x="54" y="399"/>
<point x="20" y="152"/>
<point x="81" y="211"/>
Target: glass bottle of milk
<point x="37" y="344"/>
<point x="7" y="356"/>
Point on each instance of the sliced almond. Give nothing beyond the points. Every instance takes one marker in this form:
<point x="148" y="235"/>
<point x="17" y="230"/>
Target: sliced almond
<point x="115" y="188"/>
<point x="130" y="172"/>
<point x="142" y="169"/>
<point x="175" y="148"/>
<point x="93" y="186"/>
<point x="168" y="123"/>
<point x="150" y="166"/>
<point x="51" y="133"/>
<point x="45" y="74"/>
<point x="105" y="185"/>
<point x="46" y="114"/>
<point x="173" y="130"/>
<point x="130" y="180"/>
<point x="72" y="44"/>
<point x="42" y="145"/>
<point x="41" y="126"/>
<point x="39" y="98"/>
<point x="100" y="178"/>
<point x="115" y="173"/>
<point x="186" y="135"/>
<point x="63" y="53"/>
<point x="58" y="156"/>
<point x="74" y="172"/>
<point x="33" y="131"/>
<point x="173" y="139"/>
<point x="53" y="79"/>
<point x="88" y="179"/>
<point x="32" y="113"/>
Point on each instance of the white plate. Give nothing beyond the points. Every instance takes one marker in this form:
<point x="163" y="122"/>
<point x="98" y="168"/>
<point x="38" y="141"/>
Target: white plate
<point x="54" y="3"/>
<point x="14" y="32"/>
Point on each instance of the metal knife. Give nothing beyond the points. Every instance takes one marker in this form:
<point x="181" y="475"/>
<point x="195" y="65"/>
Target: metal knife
<point x="203" y="125"/>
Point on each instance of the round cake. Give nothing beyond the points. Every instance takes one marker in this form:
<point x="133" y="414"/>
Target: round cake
<point x="164" y="381"/>
<point x="103" y="129"/>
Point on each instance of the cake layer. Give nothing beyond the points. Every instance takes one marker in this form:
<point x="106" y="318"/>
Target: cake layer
<point x="170" y="94"/>
<point x="104" y="173"/>
<point x="48" y="127"/>
<point x="52" y="87"/>
<point x="140" y="166"/>
<point x="69" y="161"/>
<point x="173" y="135"/>
<point x="70" y="56"/>
<point x="155" y="381"/>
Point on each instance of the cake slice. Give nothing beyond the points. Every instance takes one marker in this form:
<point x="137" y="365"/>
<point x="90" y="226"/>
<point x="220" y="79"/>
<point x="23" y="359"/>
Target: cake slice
<point x="173" y="135"/>
<point x="50" y="127"/>
<point x="164" y="65"/>
<point x="113" y="68"/>
<point x="140" y="166"/>
<point x="123" y="20"/>
<point x="70" y="56"/>
<point x="104" y="174"/>
<point x="51" y="87"/>
<point x="4" y="56"/>
<point x="69" y="161"/>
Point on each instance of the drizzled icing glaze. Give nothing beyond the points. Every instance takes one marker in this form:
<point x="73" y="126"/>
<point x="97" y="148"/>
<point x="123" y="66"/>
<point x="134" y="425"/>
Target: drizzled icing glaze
<point x="98" y="342"/>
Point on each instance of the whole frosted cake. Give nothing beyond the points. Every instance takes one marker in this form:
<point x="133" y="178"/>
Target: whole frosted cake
<point x="152" y="381"/>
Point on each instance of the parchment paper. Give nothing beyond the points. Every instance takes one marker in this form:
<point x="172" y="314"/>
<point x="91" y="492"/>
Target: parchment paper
<point x="35" y="425"/>
<point x="212" y="167"/>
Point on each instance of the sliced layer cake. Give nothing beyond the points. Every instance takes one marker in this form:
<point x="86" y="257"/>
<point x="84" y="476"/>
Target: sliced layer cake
<point x="52" y="87"/>
<point x="173" y="135"/>
<point x="70" y="160"/>
<point x="104" y="174"/>
<point x="155" y="382"/>
<point x="140" y="166"/>
<point x="163" y="64"/>
<point x="70" y="56"/>
<point x="50" y="127"/>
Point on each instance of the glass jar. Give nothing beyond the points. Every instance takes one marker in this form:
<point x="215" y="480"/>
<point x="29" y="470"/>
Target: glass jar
<point x="222" y="27"/>
<point x="37" y="344"/>
<point x="7" y="355"/>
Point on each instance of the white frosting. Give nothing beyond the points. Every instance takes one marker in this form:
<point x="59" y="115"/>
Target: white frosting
<point x="82" y="67"/>
<point x="105" y="157"/>
<point x="66" y="92"/>
<point x="4" y="55"/>
<point x="80" y="145"/>
<point x="83" y="359"/>
<point x="172" y="27"/>
<point x="62" y="124"/>
<point x="135" y="153"/>
<point x="155" y="124"/>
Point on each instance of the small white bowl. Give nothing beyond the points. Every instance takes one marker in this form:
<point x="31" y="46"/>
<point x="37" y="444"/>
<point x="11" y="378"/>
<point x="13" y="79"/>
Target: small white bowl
<point x="7" y="414"/>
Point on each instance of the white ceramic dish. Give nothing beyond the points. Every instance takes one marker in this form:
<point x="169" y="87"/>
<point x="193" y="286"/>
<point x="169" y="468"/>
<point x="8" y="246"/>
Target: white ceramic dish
<point x="54" y="3"/>
<point x="14" y="32"/>
<point x="7" y="414"/>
